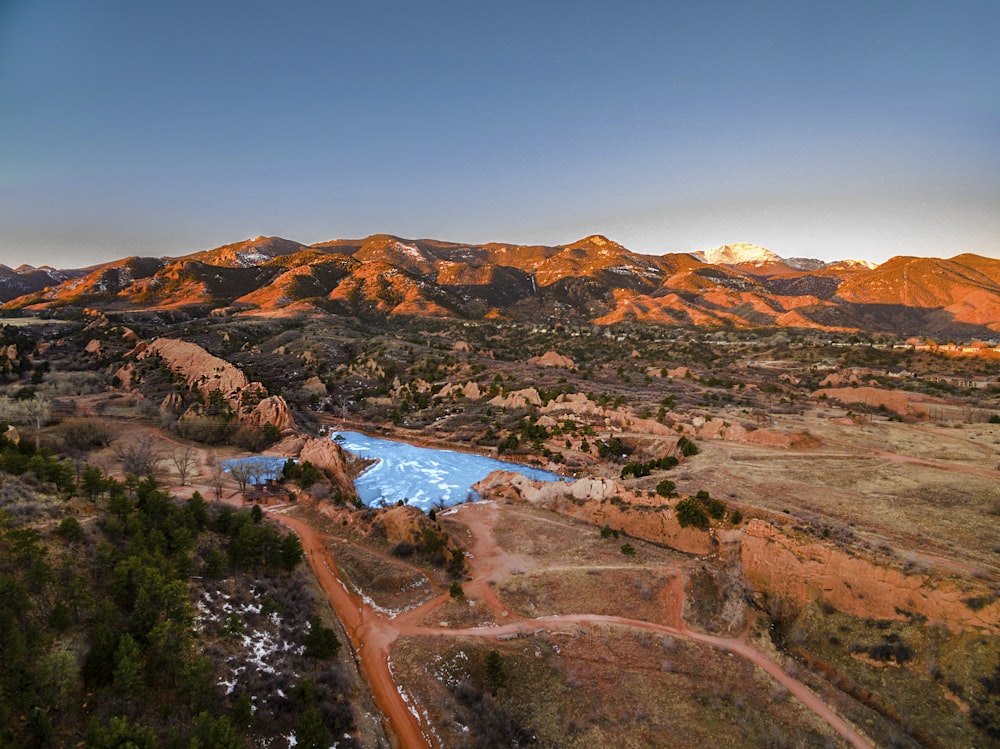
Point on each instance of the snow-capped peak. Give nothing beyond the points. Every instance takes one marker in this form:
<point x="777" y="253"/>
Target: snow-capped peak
<point x="857" y="264"/>
<point x="738" y="254"/>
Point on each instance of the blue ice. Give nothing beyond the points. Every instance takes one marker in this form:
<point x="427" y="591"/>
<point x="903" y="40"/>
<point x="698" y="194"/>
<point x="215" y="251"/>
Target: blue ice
<point x="421" y="476"/>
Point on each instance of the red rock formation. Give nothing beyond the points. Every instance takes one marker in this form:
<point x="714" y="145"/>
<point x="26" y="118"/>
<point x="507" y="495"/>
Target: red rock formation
<point x="518" y="399"/>
<point x="590" y="500"/>
<point x="552" y="359"/>
<point x="209" y="374"/>
<point x="330" y="458"/>
<point x="271" y="410"/>
<point x="803" y="571"/>
<point x="902" y="403"/>
<point x="200" y="370"/>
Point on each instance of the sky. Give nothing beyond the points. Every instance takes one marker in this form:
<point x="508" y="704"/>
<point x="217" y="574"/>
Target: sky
<point x="816" y="129"/>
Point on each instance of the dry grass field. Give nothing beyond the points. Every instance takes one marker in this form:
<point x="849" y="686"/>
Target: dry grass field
<point x="918" y="488"/>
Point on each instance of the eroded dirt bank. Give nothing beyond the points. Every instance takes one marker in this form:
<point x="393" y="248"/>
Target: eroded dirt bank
<point x="373" y="632"/>
<point x="803" y="571"/>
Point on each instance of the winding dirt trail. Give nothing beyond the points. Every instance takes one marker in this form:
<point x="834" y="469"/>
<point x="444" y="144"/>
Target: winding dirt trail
<point x="371" y="636"/>
<point x="372" y="633"/>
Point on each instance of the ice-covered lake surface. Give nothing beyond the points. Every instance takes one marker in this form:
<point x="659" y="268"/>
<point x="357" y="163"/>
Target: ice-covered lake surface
<point x="264" y="467"/>
<point x="421" y="476"/>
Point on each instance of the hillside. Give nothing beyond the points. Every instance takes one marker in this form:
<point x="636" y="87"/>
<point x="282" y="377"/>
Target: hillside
<point x="593" y="280"/>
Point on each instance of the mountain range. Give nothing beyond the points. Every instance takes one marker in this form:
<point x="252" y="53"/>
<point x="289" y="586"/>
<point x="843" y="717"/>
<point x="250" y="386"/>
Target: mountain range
<point x="593" y="280"/>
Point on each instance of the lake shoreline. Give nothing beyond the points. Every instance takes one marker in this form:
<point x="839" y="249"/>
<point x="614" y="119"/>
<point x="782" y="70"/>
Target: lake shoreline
<point x="421" y="476"/>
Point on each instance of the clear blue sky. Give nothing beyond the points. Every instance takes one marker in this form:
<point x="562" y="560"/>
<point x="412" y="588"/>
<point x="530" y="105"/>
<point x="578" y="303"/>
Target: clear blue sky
<point x="819" y="129"/>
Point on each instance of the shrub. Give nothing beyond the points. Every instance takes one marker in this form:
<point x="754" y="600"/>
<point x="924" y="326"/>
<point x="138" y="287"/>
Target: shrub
<point x="690" y="512"/>
<point x="70" y="529"/>
<point x="666" y="488"/>
<point x="628" y="550"/>
<point x="686" y="447"/>
<point x="402" y="550"/>
<point x="716" y="509"/>
<point x="320" y="642"/>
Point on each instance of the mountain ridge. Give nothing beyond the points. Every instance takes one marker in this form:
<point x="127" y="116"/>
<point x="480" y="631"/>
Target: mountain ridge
<point x="592" y="280"/>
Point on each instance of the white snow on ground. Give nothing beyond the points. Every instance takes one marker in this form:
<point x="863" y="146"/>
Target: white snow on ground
<point x="391" y="613"/>
<point x="259" y="647"/>
<point x="250" y="258"/>
<point x="422" y="716"/>
<point x="410" y="250"/>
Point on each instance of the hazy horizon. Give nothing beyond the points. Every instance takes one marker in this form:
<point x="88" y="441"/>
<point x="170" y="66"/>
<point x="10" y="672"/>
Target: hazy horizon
<point x="853" y="130"/>
<point x="191" y="251"/>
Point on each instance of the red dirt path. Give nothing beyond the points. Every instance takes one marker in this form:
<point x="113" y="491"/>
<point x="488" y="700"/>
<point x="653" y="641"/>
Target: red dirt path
<point x="372" y="633"/>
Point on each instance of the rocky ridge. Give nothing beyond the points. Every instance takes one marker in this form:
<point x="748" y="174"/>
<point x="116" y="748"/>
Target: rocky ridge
<point x="594" y="280"/>
<point x="212" y="377"/>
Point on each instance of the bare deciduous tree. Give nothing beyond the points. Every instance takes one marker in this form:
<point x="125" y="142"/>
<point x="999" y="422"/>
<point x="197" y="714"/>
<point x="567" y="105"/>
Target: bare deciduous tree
<point x="84" y="435"/>
<point x="33" y="412"/>
<point x="184" y="459"/>
<point x="139" y="457"/>
<point x="243" y="471"/>
<point x="218" y="476"/>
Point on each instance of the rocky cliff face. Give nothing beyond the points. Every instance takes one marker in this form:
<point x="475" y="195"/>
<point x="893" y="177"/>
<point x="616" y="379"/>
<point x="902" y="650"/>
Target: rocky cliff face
<point x="201" y="370"/>
<point x="330" y="458"/>
<point x="775" y="564"/>
<point x="211" y="377"/>
<point x="590" y="500"/>
<point x="802" y="571"/>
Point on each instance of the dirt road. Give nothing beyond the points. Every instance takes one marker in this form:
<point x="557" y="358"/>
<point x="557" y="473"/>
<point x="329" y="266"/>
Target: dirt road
<point x="371" y="637"/>
<point x="372" y="634"/>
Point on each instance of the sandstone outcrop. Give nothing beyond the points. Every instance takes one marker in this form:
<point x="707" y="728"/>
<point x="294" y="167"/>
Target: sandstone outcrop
<point x="469" y="390"/>
<point x="717" y="429"/>
<point x="580" y="405"/>
<point x="331" y="459"/>
<point x="897" y="401"/>
<point x="208" y="374"/>
<point x="552" y="359"/>
<point x="201" y="370"/>
<point x="595" y="501"/>
<point x="171" y="405"/>
<point x="804" y="571"/>
<point x="518" y="399"/>
<point x="271" y="410"/>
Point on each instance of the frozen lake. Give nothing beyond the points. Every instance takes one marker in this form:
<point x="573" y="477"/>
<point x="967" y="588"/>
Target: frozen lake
<point x="421" y="476"/>
<point x="264" y="467"/>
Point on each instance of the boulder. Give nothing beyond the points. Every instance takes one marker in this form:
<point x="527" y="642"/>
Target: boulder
<point x="271" y="410"/>
<point x="552" y="359"/>
<point x="518" y="399"/>
<point x="330" y="458"/>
